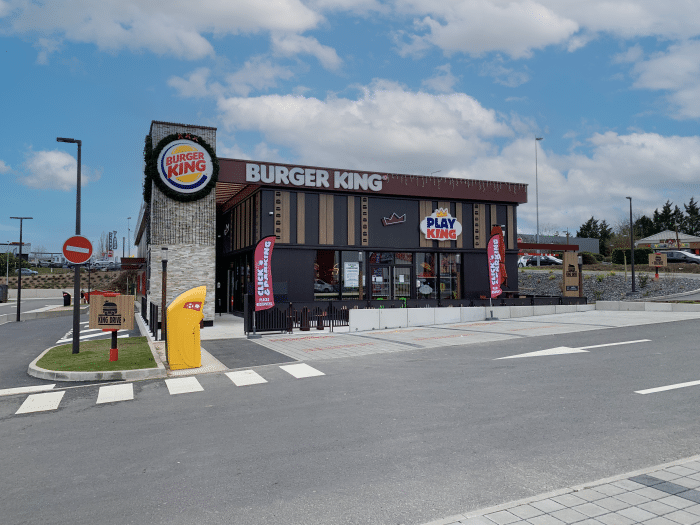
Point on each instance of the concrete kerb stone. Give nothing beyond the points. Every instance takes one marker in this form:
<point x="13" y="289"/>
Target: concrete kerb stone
<point x="125" y="375"/>
<point x="29" y="316"/>
<point x="560" y="492"/>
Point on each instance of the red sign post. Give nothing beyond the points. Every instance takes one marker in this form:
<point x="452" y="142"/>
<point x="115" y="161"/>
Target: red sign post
<point x="77" y="249"/>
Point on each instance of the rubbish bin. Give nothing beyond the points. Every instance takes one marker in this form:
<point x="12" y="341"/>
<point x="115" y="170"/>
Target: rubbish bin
<point x="66" y="299"/>
<point x="3" y="293"/>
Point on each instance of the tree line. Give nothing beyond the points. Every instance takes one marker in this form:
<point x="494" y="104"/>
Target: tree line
<point x="669" y="218"/>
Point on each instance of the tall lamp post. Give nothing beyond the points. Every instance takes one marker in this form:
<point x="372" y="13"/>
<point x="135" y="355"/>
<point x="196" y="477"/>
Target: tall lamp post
<point x="128" y="233"/>
<point x="163" y="322"/>
<point x="76" y="267"/>
<point x="19" y="274"/>
<point x="631" y="242"/>
<point x="537" y="201"/>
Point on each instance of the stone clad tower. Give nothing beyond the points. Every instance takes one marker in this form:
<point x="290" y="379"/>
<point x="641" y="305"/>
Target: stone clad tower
<point x="181" y="172"/>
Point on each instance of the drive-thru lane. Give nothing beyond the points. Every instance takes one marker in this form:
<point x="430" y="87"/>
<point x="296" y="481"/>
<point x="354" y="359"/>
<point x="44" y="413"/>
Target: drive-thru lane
<point x="402" y="437"/>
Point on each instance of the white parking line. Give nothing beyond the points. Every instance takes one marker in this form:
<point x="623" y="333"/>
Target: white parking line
<point x="114" y="393"/>
<point x="245" y="378"/>
<point x="183" y="385"/>
<point x="301" y="370"/>
<point x="669" y="387"/>
<point x="41" y="402"/>
<point x="25" y="390"/>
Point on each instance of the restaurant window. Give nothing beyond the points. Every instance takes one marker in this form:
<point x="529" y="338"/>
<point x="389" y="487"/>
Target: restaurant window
<point x="450" y="276"/>
<point x="326" y="275"/>
<point x="426" y="276"/>
<point x="353" y="278"/>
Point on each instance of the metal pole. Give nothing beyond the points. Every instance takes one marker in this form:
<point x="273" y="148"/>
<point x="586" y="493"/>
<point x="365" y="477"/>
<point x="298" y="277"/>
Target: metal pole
<point x="537" y="200"/>
<point x="128" y="233"/>
<point x="19" y="274"/>
<point x="632" y="243"/>
<point x="163" y="323"/>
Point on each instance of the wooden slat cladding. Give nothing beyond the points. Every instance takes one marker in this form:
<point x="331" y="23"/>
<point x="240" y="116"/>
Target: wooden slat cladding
<point x="480" y="233"/>
<point x="351" y="220"/>
<point x="511" y="234"/>
<point x="494" y="218"/>
<point x="365" y="221"/>
<point x="425" y="211"/>
<point x="282" y="216"/>
<point x="445" y="206"/>
<point x="301" y="218"/>
<point x="326" y="223"/>
<point x="458" y="216"/>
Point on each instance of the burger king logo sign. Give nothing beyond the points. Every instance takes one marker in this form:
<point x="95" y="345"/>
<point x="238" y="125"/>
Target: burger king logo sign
<point x="440" y="226"/>
<point x="186" y="167"/>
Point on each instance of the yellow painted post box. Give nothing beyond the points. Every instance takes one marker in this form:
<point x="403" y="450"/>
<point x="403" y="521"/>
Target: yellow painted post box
<point x="184" y="316"/>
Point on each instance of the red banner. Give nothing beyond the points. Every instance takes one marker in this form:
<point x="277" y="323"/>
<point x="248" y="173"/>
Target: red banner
<point x="264" y="298"/>
<point x="497" y="267"/>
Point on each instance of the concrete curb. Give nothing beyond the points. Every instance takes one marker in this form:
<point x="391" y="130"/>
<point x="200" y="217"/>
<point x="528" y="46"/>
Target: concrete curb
<point x="124" y="375"/>
<point x="576" y="488"/>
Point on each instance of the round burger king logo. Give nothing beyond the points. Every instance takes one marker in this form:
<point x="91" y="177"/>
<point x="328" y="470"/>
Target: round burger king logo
<point x="185" y="166"/>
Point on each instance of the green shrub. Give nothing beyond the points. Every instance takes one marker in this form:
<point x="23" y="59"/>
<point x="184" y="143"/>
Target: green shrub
<point x="589" y="258"/>
<point x="641" y="256"/>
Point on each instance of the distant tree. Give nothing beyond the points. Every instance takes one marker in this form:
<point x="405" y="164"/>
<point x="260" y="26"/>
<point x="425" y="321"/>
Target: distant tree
<point x="691" y="222"/>
<point x="605" y="233"/>
<point x="643" y="227"/>
<point x="589" y="229"/>
<point x="664" y="219"/>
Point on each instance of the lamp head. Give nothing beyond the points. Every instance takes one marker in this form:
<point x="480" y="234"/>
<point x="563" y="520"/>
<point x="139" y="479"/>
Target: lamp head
<point x="539" y="138"/>
<point x="164" y="252"/>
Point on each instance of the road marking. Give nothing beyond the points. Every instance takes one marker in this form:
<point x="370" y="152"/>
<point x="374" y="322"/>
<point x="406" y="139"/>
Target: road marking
<point x="669" y="387"/>
<point x="41" y="402"/>
<point x="302" y="370"/>
<point x="551" y="351"/>
<point x="245" y="378"/>
<point x="183" y="385"/>
<point x="617" y="344"/>
<point x="567" y="350"/>
<point x="25" y="390"/>
<point x="114" y="393"/>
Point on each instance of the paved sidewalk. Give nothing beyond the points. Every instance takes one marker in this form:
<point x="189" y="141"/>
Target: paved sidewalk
<point x="667" y="494"/>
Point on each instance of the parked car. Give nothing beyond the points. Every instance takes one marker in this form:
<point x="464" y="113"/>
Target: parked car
<point x="322" y="286"/>
<point x="522" y="261"/>
<point x="27" y="271"/>
<point x="545" y="260"/>
<point x="682" y="257"/>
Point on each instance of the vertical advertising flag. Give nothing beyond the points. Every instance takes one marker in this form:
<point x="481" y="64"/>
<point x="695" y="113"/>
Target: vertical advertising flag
<point x="497" y="267"/>
<point x="263" y="274"/>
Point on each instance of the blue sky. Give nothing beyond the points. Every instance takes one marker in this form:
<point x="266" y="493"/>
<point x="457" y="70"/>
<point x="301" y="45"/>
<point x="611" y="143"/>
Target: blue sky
<point x="405" y="86"/>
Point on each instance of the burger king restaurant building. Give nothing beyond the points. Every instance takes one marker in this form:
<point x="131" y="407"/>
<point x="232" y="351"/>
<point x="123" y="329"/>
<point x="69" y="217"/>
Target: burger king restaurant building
<point x="363" y="238"/>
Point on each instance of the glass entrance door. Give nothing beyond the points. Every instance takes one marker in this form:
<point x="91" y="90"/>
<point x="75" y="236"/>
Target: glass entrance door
<point x="380" y="282"/>
<point x="402" y="282"/>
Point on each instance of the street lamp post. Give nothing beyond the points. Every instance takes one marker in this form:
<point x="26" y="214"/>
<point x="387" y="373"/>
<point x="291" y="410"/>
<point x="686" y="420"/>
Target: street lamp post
<point x="163" y="322"/>
<point x="76" y="267"/>
<point x="631" y="243"/>
<point x="19" y="273"/>
<point x="537" y="201"/>
<point x="128" y="233"/>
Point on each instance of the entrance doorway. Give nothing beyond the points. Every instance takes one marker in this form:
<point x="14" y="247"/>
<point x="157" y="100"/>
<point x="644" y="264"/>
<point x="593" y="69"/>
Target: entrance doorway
<point x="390" y="282"/>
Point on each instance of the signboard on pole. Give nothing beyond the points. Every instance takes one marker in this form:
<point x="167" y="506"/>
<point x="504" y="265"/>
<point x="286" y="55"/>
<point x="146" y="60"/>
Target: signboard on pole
<point x="264" y="298"/>
<point x="77" y="249"/>
<point x="496" y="255"/>
<point x="112" y="313"/>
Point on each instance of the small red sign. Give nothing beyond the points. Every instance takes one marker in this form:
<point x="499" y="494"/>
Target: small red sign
<point x="77" y="249"/>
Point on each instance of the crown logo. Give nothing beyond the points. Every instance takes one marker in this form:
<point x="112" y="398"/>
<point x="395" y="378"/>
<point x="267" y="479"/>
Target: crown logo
<point x="442" y="212"/>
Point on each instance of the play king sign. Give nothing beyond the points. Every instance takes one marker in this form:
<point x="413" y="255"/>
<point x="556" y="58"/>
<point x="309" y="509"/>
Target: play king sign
<point x="440" y="226"/>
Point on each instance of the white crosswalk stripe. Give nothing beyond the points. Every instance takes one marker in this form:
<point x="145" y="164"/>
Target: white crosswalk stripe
<point x="183" y="385"/>
<point x="245" y="378"/>
<point x="41" y="402"/>
<point x="302" y="370"/>
<point x="114" y="393"/>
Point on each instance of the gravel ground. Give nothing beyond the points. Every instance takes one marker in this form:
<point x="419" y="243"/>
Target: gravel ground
<point x="607" y="286"/>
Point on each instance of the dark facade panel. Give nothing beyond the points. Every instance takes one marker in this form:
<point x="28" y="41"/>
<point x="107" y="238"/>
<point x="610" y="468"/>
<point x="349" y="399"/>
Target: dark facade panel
<point x="340" y="219"/>
<point x="404" y="235"/>
<point x="296" y="268"/>
<point x="267" y="220"/>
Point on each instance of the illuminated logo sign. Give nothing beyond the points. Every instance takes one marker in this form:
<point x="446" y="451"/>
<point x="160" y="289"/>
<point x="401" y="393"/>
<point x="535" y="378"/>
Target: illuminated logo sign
<point x="440" y="226"/>
<point x="313" y="178"/>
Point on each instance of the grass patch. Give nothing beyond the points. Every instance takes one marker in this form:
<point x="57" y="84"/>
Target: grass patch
<point x="134" y="353"/>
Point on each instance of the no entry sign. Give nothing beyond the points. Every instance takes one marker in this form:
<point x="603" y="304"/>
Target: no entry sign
<point x="77" y="249"/>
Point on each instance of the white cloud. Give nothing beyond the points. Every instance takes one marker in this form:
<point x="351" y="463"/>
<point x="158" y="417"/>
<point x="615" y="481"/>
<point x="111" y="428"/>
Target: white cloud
<point x="386" y="128"/>
<point x="4" y="168"/>
<point x="257" y="74"/>
<point x="291" y="45"/>
<point x="56" y="170"/>
<point x="46" y="46"/>
<point x="443" y="81"/>
<point x="175" y="28"/>
<point x="503" y="75"/>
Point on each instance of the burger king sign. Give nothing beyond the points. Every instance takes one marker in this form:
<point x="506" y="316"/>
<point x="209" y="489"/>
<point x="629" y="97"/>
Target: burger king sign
<point x="186" y="166"/>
